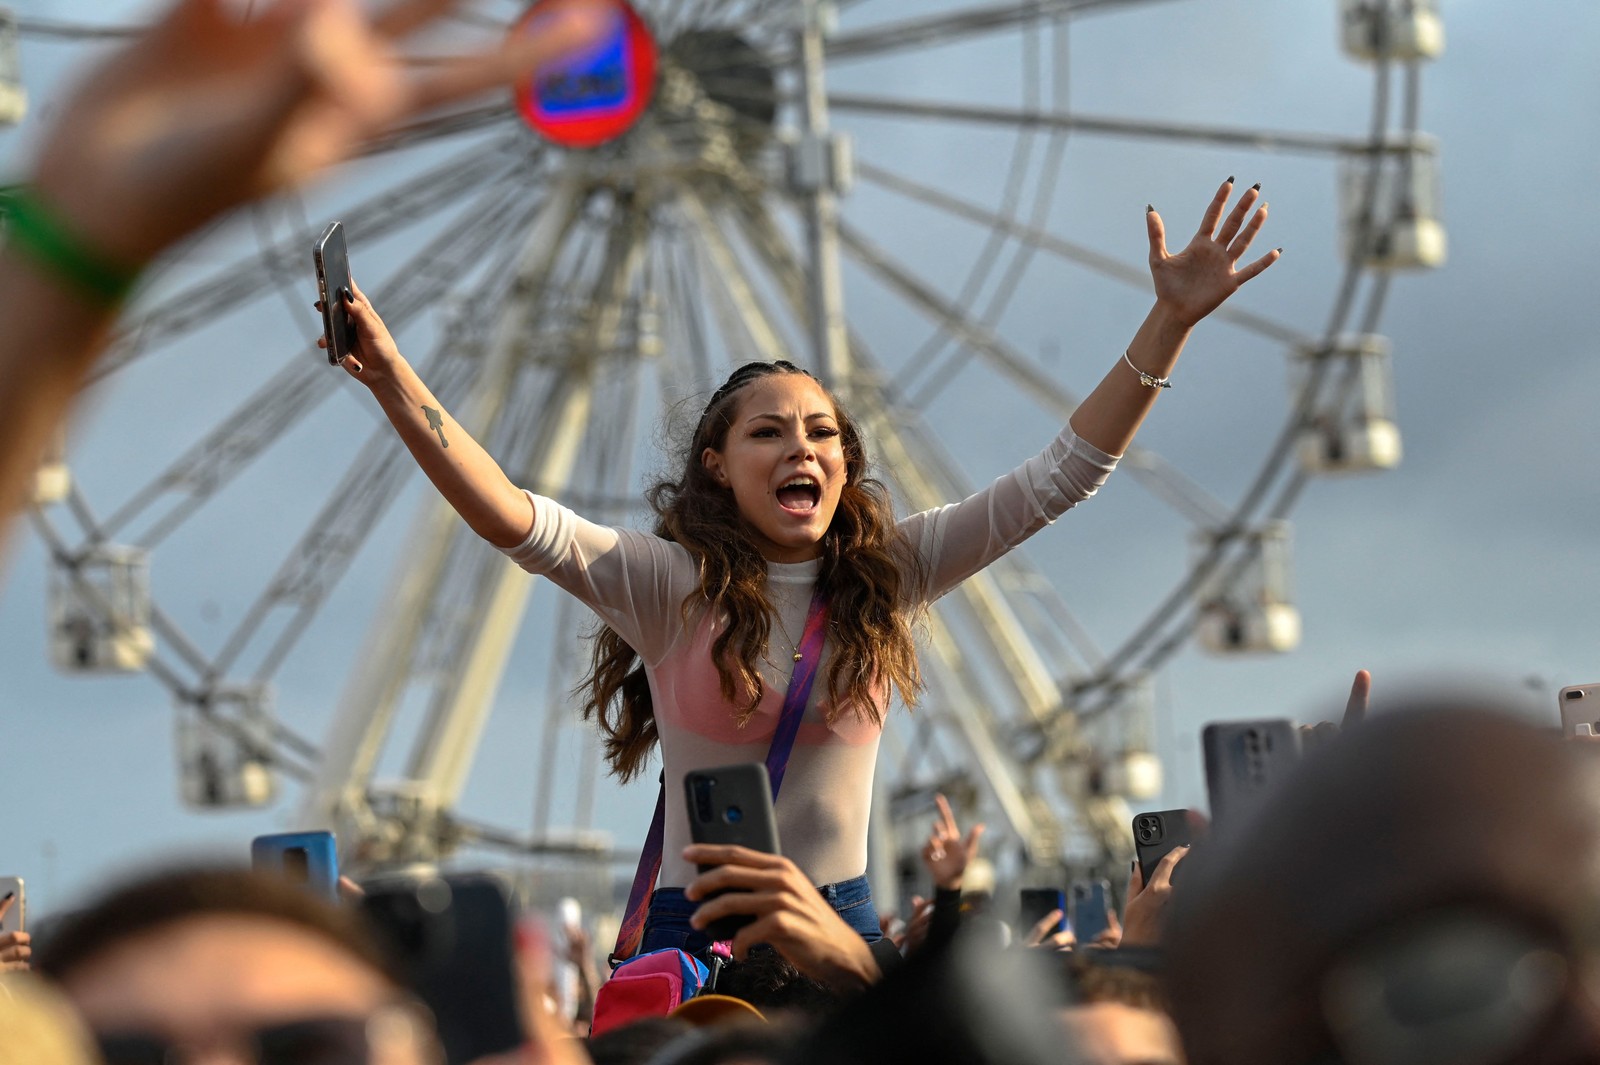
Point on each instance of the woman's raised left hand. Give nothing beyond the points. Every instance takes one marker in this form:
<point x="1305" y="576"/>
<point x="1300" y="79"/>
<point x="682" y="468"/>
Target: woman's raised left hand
<point x="1195" y="281"/>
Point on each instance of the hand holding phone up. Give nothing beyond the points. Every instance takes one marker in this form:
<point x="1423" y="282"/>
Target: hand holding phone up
<point x="784" y="910"/>
<point x="1146" y="911"/>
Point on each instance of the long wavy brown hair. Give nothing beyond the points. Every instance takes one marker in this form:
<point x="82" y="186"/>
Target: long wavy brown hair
<point x="867" y="566"/>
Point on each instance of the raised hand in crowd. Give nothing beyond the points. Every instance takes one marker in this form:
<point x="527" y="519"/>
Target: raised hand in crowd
<point x="1043" y="933"/>
<point x="1145" y="914"/>
<point x="1355" y="711"/>
<point x="206" y="110"/>
<point x="947" y="854"/>
<point x="16" y="948"/>
<point x="790" y="914"/>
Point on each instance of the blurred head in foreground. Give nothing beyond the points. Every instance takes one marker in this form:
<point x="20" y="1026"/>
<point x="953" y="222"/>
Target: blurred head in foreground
<point x="212" y="965"/>
<point x="1117" y="1016"/>
<point x="1424" y="890"/>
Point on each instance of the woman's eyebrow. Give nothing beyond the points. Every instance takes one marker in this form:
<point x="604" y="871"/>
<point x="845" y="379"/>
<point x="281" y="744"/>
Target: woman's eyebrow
<point x="776" y="417"/>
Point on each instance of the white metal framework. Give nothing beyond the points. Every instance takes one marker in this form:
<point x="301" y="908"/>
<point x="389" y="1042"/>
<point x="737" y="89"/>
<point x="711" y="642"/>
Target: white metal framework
<point x="567" y="294"/>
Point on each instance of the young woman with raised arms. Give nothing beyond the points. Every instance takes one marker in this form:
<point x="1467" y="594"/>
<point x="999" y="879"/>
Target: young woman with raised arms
<point x="773" y="503"/>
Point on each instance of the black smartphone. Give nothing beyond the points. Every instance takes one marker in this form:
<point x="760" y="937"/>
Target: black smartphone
<point x="1089" y="909"/>
<point x="731" y="804"/>
<point x="451" y="940"/>
<point x="1039" y="903"/>
<point x="332" y="259"/>
<point x="1157" y="834"/>
<point x="1245" y="760"/>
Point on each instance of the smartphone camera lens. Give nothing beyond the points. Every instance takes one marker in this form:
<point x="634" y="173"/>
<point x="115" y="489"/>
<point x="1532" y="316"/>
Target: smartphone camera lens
<point x="733" y="815"/>
<point x="1576" y="693"/>
<point x="702" y="797"/>
<point x="1148" y="829"/>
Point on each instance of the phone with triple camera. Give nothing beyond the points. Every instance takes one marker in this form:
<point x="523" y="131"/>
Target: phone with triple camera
<point x="1039" y="903"/>
<point x="308" y="858"/>
<point x="332" y="260"/>
<point x="1157" y="834"/>
<point x="15" y="918"/>
<point x="450" y="938"/>
<point x="1579" y="705"/>
<point x="1089" y="909"/>
<point x="1245" y="761"/>
<point x="731" y="805"/>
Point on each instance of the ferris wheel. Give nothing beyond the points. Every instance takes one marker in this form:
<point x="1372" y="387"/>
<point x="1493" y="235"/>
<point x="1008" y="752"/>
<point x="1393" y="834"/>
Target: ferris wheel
<point x="784" y="183"/>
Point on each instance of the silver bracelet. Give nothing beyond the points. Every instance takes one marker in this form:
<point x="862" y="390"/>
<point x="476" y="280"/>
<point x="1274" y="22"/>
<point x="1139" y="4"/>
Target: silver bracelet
<point x="1148" y="380"/>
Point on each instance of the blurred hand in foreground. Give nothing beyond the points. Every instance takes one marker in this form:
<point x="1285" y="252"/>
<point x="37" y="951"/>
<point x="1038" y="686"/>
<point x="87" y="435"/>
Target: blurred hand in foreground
<point x="209" y="108"/>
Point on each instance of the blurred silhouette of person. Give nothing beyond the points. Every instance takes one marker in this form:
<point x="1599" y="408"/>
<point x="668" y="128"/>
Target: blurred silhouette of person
<point x="1423" y="890"/>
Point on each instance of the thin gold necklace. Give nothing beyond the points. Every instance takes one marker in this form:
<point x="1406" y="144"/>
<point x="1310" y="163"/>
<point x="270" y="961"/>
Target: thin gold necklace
<point x="794" y="645"/>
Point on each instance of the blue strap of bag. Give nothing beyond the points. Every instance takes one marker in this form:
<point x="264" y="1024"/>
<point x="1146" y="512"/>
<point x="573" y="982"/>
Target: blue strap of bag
<point x="809" y="653"/>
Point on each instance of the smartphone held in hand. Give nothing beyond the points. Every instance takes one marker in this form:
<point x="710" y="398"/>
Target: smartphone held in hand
<point x="13" y="917"/>
<point x="1245" y="761"/>
<point x="731" y="805"/>
<point x="451" y="938"/>
<point x="1035" y="904"/>
<point x="1089" y="909"/>
<point x="332" y="259"/>
<point x="1580" y="709"/>
<point x="1157" y="834"/>
<point x="308" y="858"/>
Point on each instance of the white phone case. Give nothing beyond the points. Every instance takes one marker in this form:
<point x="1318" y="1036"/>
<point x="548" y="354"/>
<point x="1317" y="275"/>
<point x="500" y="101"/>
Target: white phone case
<point x="1579" y="705"/>
<point x="16" y="917"/>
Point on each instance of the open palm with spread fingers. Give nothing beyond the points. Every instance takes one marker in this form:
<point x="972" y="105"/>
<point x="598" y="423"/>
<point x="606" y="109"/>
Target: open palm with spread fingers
<point x="1195" y="281"/>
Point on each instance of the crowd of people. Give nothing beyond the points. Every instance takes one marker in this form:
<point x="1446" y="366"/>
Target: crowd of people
<point x="1415" y="892"/>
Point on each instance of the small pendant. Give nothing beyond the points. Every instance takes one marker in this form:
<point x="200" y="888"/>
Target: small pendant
<point x="797" y="656"/>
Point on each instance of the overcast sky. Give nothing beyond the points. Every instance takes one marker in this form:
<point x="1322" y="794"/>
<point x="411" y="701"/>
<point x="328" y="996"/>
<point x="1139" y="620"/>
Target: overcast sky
<point x="1473" y="561"/>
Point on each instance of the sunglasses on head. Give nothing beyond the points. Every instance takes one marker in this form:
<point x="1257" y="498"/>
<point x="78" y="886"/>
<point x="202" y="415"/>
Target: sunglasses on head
<point x="336" y="1040"/>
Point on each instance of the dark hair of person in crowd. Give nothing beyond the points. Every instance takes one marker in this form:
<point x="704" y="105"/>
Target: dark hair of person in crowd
<point x="744" y="1042"/>
<point x="153" y="902"/>
<point x="865" y="567"/>
<point x="636" y="1043"/>
<point x="1090" y="982"/>
<point x="768" y="981"/>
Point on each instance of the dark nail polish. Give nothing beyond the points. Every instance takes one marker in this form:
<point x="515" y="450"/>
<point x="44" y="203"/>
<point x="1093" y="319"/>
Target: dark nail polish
<point x="1256" y="186"/>
<point x="1230" y="180"/>
<point x="1280" y="251"/>
<point x="9" y="896"/>
<point x="1149" y="208"/>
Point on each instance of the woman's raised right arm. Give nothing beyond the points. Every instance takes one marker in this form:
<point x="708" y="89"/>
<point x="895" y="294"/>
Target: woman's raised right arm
<point x="468" y="478"/>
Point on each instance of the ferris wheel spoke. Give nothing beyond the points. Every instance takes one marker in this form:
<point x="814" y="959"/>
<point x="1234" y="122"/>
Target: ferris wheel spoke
<point x="439" y="127"/>
<point x="1071" y="251"/>
<point x="1257" y="139"/>
<point x="959" y="25"/>
<point x="745" y="321"/>
<point x="315" y="564"/>
<point x="297" y="389"/>
<point x="62" y="30"/>
<point x="246" y="279"/>
<point x="1164" y="481"/>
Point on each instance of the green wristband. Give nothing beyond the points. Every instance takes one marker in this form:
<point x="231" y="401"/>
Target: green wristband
<point x="38" y="233"/>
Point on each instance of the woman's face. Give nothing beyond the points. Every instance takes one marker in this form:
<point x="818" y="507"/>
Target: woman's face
<point x="783" y="459"/>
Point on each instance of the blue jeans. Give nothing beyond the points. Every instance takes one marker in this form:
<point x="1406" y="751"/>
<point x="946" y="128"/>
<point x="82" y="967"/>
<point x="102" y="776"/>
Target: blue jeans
<point x="668" y="922"/>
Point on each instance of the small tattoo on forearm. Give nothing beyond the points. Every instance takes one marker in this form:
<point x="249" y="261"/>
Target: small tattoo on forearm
<point x="436" y="423"/>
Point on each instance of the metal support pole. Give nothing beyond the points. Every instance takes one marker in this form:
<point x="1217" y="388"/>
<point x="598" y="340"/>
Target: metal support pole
<point x="816" y="183"/>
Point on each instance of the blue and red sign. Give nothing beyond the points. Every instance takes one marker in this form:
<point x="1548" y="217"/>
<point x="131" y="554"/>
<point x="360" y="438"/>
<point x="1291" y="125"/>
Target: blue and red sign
<point x="594" y="95"/>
